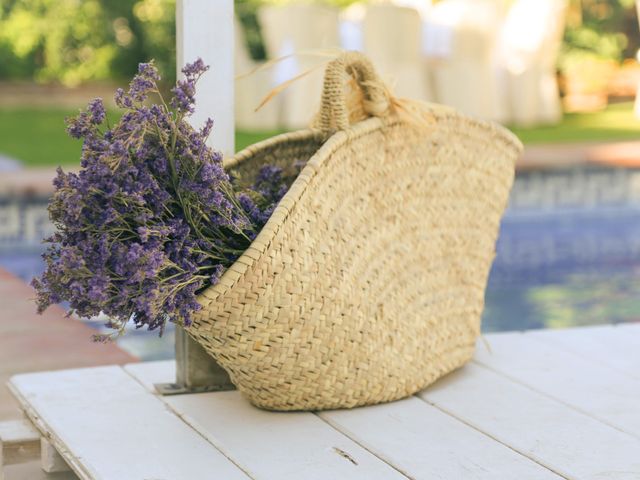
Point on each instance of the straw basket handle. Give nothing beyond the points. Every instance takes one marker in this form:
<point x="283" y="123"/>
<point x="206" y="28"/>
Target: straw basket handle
<point x="335" y="111"/>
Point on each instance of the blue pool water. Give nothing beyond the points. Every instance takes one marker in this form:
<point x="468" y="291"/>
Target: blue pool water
<point x="560" y="269"/>
<point x="568" y="254"/>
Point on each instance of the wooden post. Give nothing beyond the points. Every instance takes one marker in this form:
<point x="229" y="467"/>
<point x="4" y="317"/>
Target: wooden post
<point x="204" y="28"/>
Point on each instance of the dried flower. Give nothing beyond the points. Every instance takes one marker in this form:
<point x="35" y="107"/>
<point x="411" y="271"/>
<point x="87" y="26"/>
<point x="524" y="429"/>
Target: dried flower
<point x="152" y="218"/>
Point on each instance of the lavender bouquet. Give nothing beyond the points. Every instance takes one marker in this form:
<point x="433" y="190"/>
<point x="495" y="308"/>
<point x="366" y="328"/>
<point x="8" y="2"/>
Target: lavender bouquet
<point x="152" y="218"/>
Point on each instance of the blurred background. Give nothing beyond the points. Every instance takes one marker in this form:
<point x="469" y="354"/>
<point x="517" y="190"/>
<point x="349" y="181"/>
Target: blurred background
<point x="563" y="75"/>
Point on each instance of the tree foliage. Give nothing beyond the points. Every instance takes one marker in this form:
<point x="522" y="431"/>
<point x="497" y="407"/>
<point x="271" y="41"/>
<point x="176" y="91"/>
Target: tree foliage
<point x="607" y="29"/>
<point x="72" y="41"/>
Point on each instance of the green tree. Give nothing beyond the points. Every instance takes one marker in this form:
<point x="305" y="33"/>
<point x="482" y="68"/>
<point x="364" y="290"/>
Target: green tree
<point x="73" y="41"/>
<point x="605" y="28"/>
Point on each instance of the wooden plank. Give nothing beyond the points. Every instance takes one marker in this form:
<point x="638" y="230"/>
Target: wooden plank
<point x="19" y="442"/>
<point x="50" y="460"/>
<point x="566" y="441"/>
<point x="585" y="384"/>
<point x="426" y="443"/>
<point x="612" y="346"/>
<point x="269" y="445"/>
<point x="107" y="426"/>
<point x="151" y="373"/>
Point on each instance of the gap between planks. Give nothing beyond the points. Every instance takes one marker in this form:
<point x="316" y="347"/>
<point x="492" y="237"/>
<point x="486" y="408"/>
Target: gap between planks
<point x="509" y="456"/>
<point x="503" y="458"/>
<point x="560" y="406"/>
<point x="372" y="451"/>
<point x="554" y="398"/>
<point x="559" y="437"/>
<point x="463" y="419"/>
<point x="550" y="460"/>
<point x="571" y="335"/>
<point x="549" y="368"/>
<point x="189" y="422"/>
<point x="57" y="443"/>
<point x="283" y="443"/>
<point x="495" y="439"/>
<point x="107" y="392"/>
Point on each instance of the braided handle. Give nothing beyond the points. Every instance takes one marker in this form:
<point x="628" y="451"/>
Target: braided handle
<point x="334" y="110"/>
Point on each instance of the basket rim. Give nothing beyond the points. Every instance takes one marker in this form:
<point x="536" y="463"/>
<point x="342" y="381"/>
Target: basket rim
<point x="334" y="141"/>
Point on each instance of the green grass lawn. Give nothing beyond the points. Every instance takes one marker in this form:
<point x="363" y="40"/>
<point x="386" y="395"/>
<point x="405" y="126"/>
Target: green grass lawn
<point x="616" y="123"/>
<point x="37" y="137"/>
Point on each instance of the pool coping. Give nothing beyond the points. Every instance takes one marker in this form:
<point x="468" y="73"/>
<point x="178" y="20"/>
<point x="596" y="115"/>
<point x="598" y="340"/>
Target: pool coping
<point x="565" y="155"/>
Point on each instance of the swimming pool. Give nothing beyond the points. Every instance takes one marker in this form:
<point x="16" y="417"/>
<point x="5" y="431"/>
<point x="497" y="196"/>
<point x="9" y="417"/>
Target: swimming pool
<point x="568" y="254"/>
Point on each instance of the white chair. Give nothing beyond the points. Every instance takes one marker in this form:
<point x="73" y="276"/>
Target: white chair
<point x="251" y="89"/>
<point x="423" y="7"/>
<point x="460" y="45"/>
<point x="529" y="45"/>
<point x="392" y="38"/>
<point x="293" y="29"/>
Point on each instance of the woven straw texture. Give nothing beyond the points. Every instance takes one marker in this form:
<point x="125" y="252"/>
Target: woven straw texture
<point x="367" y="283"/>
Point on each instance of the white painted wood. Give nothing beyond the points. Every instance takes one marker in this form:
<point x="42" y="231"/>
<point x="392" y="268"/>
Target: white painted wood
<point x="631" y="328"/>
<point x="585" y="384"/>
<point x="569" y="442"/>
<point x="51" y="461"/>
<point x="426" y="443"/>
<point x="204" y="28"/>
<point x="269" y="445"/>
<point x="521" y="411"/>
<point x="151" y="373"/>
<point x="19" y="442"/>
<point x="615" y="347"/>
<point x="107" y="426"/>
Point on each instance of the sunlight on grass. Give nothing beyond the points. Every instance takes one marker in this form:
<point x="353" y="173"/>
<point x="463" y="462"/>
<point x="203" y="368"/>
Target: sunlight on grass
<point x="617" y="122"/>
<point x="37" y="137"/>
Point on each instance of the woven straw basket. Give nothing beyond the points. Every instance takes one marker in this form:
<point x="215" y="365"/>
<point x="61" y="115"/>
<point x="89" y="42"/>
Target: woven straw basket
<point x="367" y="283"/>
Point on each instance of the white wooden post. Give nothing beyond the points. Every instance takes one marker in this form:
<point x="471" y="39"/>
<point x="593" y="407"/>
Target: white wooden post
<point x="204" y="28"/>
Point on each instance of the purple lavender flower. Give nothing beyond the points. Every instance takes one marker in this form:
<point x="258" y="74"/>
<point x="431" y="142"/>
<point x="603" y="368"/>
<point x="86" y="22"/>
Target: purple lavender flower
<point x="194" y="70"/>
<point x="122" y="99"/>
<point x="183" y="96"/>
<point x="152" y="218"/>
<point x="184" y="92"/>
<point x="97" y="111"/>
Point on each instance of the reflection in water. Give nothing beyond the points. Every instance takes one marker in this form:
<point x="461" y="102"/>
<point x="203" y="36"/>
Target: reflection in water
<point x="561" y="269"/>
<point x="574" y="299"/>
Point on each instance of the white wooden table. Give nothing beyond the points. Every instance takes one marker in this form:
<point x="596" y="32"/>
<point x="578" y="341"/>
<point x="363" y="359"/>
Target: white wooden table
<point x="538" y="405"/>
